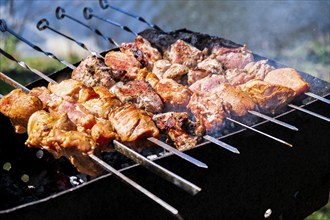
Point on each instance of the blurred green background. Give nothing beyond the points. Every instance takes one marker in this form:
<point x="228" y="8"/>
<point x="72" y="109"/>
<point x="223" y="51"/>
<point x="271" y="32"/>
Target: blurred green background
<point x="295" y="33"/>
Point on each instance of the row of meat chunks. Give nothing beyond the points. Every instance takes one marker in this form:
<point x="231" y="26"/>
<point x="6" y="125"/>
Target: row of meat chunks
<point x="139" y="92"/>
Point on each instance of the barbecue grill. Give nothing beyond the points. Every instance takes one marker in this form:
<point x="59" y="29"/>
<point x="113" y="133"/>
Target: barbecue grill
<point x="266" y="180"/>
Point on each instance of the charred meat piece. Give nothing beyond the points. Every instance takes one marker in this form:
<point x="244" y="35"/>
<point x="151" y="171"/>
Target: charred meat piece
<point x="142" y="51"/>
<point x="239" y="101"/>
<point x="208" y="83"/>
<point x="92" y="71"/>
<point x="183" y="53"/>
<point x="232" y="58"/>
<point x="174" y="95"/>
<point x="124" y="65"/>
<point x="131" y="123"/>
<point x="178" y="127"/>
<point x="140" y="93"/>
<point x="209" y="110"/>
<point x="287" y="77"/>
<point x="270" y="98"/>
<point x="54" y="134"/>
<point x="19" y="106"/>
<point x="160" y="67"/>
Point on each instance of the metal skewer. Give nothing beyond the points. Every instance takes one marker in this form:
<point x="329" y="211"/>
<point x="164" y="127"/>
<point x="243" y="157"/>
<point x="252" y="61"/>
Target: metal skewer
<point x="60" y="14"/>
<point x="273" y="120"/>
<point x="88" y="14"/>
<point x="221" y="144"/>
<point x="109" y="168"/>
<point x="4" y="28"/>
<point x="44" y="24"/>
<point x="318" y="97"/>
<point x="310" y="112"/>
<point x="104" y="5"/>
<point x="260" y="132"/>
<point x="21" y="63"/>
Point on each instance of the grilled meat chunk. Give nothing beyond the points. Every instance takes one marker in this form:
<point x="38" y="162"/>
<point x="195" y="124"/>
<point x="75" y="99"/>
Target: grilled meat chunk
<point x="179" y="128"/>
<point x="142" y="50"/>
<point x="174" y="95"/>
<point x="232" y="58"/>
<point x="208" y="110"/>
<point x="54" y="134"/>
<point x="131" y="123"/>
<point x="67" y="89"/>
<point x="195" y="75"/>
<point x="211" y="65"/>
<point x="270" y="98"/>
<point x="140" y="93"/>
<point x="103" y="133"/>
<point x="258" y="69"/>
<point x="239" y="101"/>
<point x="19" y="106"/>
<point x="287" y="77"/>
<point x="176" y="72"/>
<point x="92" y="71"/>
<point x="43" y="94"/>
<point x="160" y="67"/>
<point x="207" y="83"/>
<point x="124" y="65"/>
<point x="183" y="53"/>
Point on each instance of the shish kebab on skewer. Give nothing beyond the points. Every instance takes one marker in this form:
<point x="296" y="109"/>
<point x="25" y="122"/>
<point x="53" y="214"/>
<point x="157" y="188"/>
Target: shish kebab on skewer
<point x="60" y="126"/>
<point x="106" y="80"/>
<point x="60" y="13"/>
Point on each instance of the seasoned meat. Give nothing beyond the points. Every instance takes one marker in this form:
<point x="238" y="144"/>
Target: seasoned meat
<point x="209" y="110"/>
<point x="195" y="75"/>
<point x="142" y="50"/>
<point x="183" y="53"/>
<point x="102" y="133"/>
<point x="287" y="77"/>
<point x="258" y="69"/>
<point x="207" y="83"/>
<point x="124" y="65"/>
<point x="178" y="127"/>
<point x="68" y="89"/>
<point x="140" y="93"/>
<point x="233" y="57"/>
<point x="43" y="94"/>
<point x="239" y="101"/>
<point x="19" y="106"/>
<point x="174" y="95"/>
<point x="176" y="72"/>
<point x="269" y="97"/>
<point x="131" y="123"/>
<point x="160" y="66"/>
<point x="237" y="76"/>
<point x="211" y="65"/>
<point x="92" y="71"/>
<point x="53" y="134"/>
<point x="101" y="102"/>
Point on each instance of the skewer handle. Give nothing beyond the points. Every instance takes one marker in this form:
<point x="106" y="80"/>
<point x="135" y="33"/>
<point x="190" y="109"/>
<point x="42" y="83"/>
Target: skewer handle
<point x="310" y="112"/>
<point x="4" y="28"/>
<point x="104" y="5"/>
<point x="318" y="97"/>
<point x="88" y="14"/>
<point x="13" y="83"/>
<point x="60" y="14"/>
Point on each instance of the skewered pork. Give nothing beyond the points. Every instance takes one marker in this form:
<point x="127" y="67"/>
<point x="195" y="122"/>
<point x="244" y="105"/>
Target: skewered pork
<point x="287" y="77"/>
<point x="160" y="67"/>
<point x="19" y="106"/>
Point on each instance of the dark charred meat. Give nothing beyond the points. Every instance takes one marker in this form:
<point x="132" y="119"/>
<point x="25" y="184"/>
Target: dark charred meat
<point x="208" y="110"/>
<point x="92" y="71"/>
<point x="140" y="93"/>
<point x="142" y="51"/>
<point x="131" y="123"/>
<point x="19" y="106"/>
<point x="270" y="98"/>
<point x="287" y="77"/>
<point x="183" y="53"/>
<point x="179" y="129"/>
<point x="233" y="58"/>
